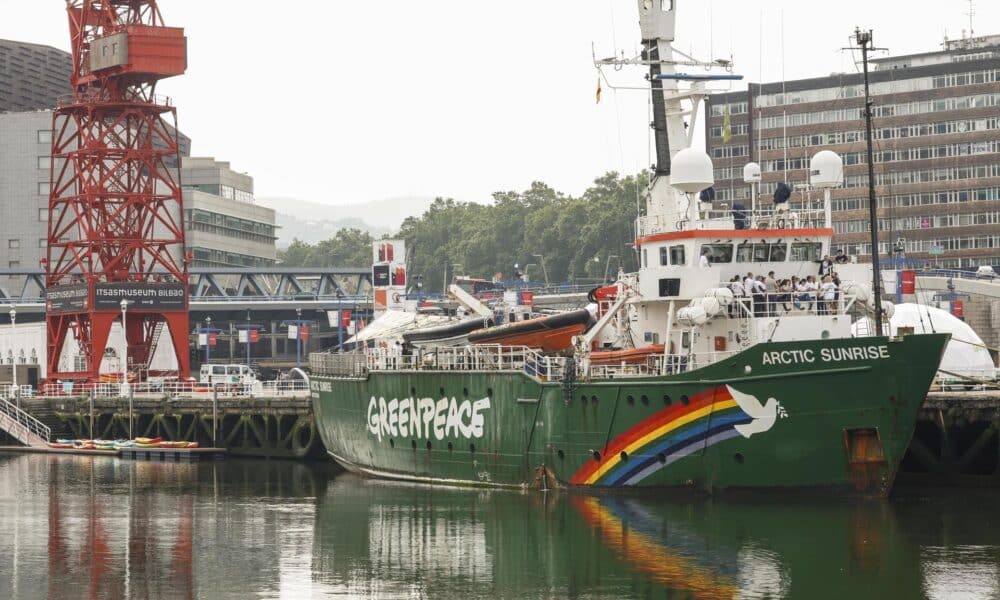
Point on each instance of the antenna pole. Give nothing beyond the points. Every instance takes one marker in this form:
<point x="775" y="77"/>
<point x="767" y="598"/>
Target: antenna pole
<point x="864" y="41"/>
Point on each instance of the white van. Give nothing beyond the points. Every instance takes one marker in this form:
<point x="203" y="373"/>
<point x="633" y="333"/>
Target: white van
<point x="225" y="375"/>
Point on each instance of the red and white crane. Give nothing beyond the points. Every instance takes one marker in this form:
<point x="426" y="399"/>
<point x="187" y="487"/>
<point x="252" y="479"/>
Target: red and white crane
<point x="116" y="220"/>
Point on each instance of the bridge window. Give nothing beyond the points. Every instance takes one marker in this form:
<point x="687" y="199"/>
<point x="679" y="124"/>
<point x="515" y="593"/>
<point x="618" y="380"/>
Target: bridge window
<point x="719" y="253"/>
<point x="663" y="255"/>
<point x="677" y="255"/>
<point x="760" y="252"/>
<point x="806" y="251"/>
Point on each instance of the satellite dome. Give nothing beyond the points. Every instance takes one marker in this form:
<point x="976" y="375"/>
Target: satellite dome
<point x="751" y="173"/>
<point x="826" y="170"/>
<point x="691" y="171"/>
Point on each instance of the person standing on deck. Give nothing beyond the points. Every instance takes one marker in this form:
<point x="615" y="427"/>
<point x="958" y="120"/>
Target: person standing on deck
<point x="772" y="292"/>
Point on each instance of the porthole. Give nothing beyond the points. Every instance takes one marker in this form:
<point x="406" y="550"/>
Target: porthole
<point x="450" y="447"/>
<point x="561" y="454"/>
<point x="738" y="457"/>
<point x="392" y="443"/>
<point x="413" y="391"/>
<point x="489" y="392"/>
<point x="472" y="448"/>
<point x="644" y="400"/>
<point x="428" y="445"/>
<point x="666" y="399"/>
<point x="630" y="400"/>
<point x="593" y="400"/>
<point x="441" y="390"/>
<point x="413" y="444"/>
<point x="465" y="392"/>
<point x="624" y="456"/>
<point x="662" y="458"/>
<point x="684" y="400"/>
<point x="597" y="456"/>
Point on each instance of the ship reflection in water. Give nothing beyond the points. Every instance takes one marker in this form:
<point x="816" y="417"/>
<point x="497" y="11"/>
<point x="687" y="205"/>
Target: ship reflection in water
<point x="103" y="528"/>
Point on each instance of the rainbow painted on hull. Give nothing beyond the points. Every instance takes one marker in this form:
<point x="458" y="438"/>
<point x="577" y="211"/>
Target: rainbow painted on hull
<point x="675" y="432"/>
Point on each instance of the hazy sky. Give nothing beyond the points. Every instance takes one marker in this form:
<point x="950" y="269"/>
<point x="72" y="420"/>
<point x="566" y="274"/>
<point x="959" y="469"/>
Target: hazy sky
<point x="347" y="101"/>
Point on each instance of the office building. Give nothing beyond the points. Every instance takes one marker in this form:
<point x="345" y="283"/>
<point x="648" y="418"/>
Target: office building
<point x="225" y="228"/>
<point x="32" y="76"/>
<point x="936" y="133"/>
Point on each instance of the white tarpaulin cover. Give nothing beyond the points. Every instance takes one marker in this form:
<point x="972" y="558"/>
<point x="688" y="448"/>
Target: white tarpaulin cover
<point x="965" y="354"/>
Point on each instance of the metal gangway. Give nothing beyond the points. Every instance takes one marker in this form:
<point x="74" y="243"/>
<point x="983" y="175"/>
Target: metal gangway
<point x="23" y="427"/>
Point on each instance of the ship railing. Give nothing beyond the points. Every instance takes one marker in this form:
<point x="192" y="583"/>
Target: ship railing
<point x="761" y="218"/>
<point x="784" y="304"/>
<point x="282" y="388"/>
<point x="487" y="357"/>
<point x="491" y="357"/>
<point x="659" y="365"/>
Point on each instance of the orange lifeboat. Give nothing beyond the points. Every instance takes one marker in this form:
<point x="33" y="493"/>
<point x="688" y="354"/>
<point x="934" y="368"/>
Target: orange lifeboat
<point x="549" y="334"/>
<point x="630" y="356"/>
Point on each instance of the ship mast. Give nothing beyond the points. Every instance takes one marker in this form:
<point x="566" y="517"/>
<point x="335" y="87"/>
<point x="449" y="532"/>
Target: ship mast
<point x="864" y="41"/>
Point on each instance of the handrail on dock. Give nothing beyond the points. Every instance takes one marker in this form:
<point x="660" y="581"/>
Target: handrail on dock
<point x="23" y="423"/>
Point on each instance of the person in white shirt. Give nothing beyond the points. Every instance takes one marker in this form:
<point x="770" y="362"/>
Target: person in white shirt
<point x="737" y="287"/>
<point x="828" y="293"/>
<point x="703" y="262"/>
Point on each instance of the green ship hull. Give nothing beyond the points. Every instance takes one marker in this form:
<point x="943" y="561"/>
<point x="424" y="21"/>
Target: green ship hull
<point x="830" y="414"/>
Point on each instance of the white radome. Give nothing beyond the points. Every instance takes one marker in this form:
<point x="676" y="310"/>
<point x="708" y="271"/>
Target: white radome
<point x="751" y="173"/>
<point x="691" y="171"/>
<point x="964" y="354"/>
<point x="826" y="170"/>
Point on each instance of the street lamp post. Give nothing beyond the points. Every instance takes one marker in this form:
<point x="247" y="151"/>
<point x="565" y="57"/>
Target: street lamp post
<point x="124" y="387"/>
<point x="13" y="332"/>
<point x="545" y="272"/>
<point x="298" y="337"/>
<point x="208" y="340"/>
<point x="607" y="265"/>
<point x="248" y="337"/>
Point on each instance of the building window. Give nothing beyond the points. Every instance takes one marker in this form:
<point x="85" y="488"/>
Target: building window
<point x="44" y="188"/>
<point x="677" y="255"/>
<point x="43" y="162"/>
<point x="43" y="215"/>
<point x="14" y="264"/>
<point x="44" y="136"/>
<point x="43" y="243"/>
<point x="13" y="244"/>
<point x="663" y="256"/>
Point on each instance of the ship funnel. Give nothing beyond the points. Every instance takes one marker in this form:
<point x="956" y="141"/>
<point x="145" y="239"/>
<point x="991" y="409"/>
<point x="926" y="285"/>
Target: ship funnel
<point x="691" y="171"/>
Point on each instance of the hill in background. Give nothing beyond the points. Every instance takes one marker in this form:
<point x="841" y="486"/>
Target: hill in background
<point x="313" y="222"/>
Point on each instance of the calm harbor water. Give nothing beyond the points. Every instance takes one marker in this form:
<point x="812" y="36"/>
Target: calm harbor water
<point x="83" y="527"/>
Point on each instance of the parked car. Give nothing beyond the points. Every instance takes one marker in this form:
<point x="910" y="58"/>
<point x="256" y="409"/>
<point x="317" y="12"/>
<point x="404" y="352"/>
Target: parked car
<point x="227" y="375"/>
<point x="986" y="272"/>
